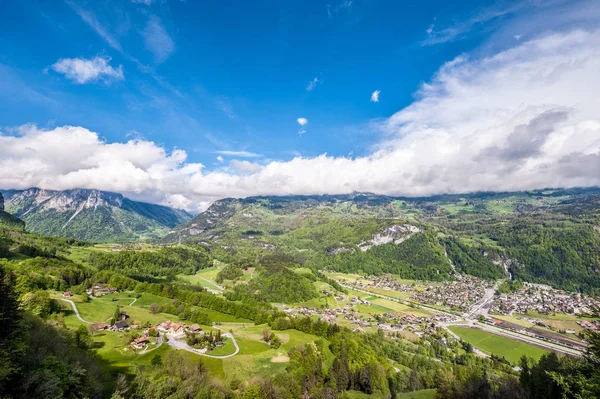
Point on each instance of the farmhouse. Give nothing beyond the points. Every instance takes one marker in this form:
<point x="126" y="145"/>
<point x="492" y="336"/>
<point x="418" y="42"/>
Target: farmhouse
<point x="120" y="326"/>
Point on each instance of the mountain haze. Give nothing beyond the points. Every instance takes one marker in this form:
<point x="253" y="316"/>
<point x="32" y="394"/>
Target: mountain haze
<point x="89" y="214"/>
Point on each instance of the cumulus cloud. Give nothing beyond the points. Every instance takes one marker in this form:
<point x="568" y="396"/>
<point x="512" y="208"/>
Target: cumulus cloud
<point x="302" y="121"/>
<point x="220" y="159"/>
<point x="375" y="96"/>
<point x="244" y="166"/>
<point x="157" y="39"/>
<point x="523" y="118"/>
<point x="82" y="70"/>
<point x="312" y="84"/>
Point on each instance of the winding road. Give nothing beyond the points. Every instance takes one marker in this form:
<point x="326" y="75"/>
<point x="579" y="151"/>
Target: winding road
<point x="182" y="345"/>
<point x="76" y="311"/>
<point x="175" y="343"/>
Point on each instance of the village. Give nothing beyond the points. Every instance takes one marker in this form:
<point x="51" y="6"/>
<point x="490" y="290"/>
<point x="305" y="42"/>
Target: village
<point x="544" y="299"/>
<point x="389" y="322"/>
<point x="457" y="295"/>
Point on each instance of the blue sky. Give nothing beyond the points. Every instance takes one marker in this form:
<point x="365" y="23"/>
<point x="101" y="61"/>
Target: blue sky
<point x="229" y="77"/>
<point x="227" y="82"/>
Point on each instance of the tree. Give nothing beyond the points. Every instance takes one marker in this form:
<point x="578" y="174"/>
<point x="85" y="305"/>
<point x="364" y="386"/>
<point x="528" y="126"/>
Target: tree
<point x="85" y="297"/>
<point x="156" y="360"/>
<point x="266" y="335"/>
<point x="39" y="303"/>
<point x="117" y="314"/>
<point x="154" y="308"/>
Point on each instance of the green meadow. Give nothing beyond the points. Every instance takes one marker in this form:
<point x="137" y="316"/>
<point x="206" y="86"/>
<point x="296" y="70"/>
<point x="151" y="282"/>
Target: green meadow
<point x="501" y="346"/>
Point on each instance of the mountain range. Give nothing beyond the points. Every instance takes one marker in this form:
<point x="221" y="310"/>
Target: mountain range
<point x="529" y="235"/>
<point x="92" y="215"/>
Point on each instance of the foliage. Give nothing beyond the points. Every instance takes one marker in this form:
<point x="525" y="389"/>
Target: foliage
<point x="167" y="261"/>
<point x="229" y="272"/>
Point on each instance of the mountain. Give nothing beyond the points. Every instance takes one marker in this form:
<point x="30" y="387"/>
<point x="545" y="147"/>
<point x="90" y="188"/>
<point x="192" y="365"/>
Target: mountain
<point x="545" y="236"/>
<point x="91" y="215"/>
<point x="7" y="220"/>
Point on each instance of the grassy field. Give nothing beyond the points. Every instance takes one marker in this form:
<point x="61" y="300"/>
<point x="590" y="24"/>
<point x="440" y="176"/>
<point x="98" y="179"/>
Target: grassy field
<point x="501" y="346"/>
<point x="258" y="358"/>
<point x="422" y="394"/>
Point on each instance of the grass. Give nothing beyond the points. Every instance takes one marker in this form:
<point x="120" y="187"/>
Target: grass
<point x="491" y="343"/>
<point x="256" y="357"/>
<point x="422" y="394"/>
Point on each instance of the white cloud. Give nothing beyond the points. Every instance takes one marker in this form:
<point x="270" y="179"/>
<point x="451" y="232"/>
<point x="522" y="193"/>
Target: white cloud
<point x="312" y="84"/>
<point x="220" y="159"/>
<point x="82" y="70"/>
<point x="145" y="2"/>
<point x="523" y="118"/>
<point x="245" y="167"/>
<point x="375" y="96"/>
<point x="243" y="154"/>
<point x="459" y="29"/>
<point x="302" y="121"/>
<point x="157" y="40"/>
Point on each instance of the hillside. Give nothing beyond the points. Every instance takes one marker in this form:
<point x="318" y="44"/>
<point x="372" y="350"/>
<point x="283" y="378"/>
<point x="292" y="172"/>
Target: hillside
<point x="7" y="220"/>
<point x="91" y="215"/>
<point x="527" y="234"/>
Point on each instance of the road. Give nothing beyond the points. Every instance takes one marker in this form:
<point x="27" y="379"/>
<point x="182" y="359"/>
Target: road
<point x="480" y="307"/>
<point x="76" y="311"/>
<point x="182" y="345"/>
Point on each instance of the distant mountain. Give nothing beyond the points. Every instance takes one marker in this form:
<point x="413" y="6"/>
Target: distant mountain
<point x="8" y="220"/>
<point x="547" y="236"/>
<point x="91" y="215"/>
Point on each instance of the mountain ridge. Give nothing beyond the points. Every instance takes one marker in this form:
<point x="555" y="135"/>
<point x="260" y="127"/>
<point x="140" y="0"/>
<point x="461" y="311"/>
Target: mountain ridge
<point x="91" y="214"/>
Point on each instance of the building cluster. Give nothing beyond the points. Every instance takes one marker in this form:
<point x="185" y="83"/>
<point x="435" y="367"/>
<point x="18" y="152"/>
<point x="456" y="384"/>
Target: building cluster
<point x="459" y="295"/>
<point x="544" y="300"/>
<point x="418" y="325"/>
<point x="330" y="315"/>
<point x="99" y="290"/>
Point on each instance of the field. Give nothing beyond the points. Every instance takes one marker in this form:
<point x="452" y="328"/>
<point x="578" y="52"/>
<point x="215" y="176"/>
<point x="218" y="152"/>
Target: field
<point x="491" y="343"/>
<point x="258" y="358"/>
<point x="422" y="394"/>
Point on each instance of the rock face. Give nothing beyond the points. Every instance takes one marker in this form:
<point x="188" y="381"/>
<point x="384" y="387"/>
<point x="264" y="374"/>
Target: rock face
<point x="91" y="214"/>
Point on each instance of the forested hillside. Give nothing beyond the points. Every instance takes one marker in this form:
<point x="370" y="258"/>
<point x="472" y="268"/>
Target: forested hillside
<point x="548" y="237"/>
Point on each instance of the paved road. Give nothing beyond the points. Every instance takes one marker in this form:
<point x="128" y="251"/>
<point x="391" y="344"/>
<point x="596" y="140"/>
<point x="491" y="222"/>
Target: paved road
<point x="182" y="345"/>
<point x="76" y="311"/>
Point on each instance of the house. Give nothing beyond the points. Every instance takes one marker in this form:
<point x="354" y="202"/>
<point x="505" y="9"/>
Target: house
<point x="195" y="328"/>
<point x="176" y="328"/>
<point x="67" y="294"/>
<point x="140" y="342"/>
<point x="98" y="326"/>
<point x="120" y="326"/>
<point x="124" y="315"/>
<point x="164" y="326"/>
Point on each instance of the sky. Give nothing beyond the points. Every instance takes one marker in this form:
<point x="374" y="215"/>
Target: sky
<point x="185" y="102"/>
